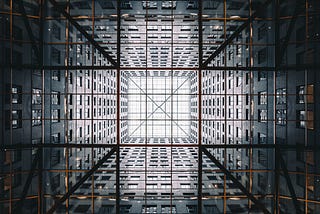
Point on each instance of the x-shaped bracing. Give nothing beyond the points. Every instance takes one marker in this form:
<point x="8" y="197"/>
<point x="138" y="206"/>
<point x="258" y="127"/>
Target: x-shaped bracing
<point x="159" y="106"/>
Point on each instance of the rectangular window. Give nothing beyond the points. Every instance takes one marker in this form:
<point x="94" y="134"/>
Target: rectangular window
<point x="36" y="96"/>
<point x="36" y="117"/>
<point x="14" y="94"/>
<point x="305" y="94"/>
<point x="168" y="209"/>
<point x="185" y="186"/>
<point x="281" y="116"/>
<point x="262" y="75"/>
<point x="55" y="75"/>
<point x="262" y="138"/>
<point x="55" y="98"/>
<point x="166" y="186"/>
<point x="16" y="121"/>
<point x="281" y="96"/>
<point x="152" y="186"/>
<point x="55" y="115"/>
<point x="132" y="186"/>
<point x="262" y="115"/>
<point x="149" y="209"/>
<point x="305" y="119"/>
<point x="55" y="138"/>
<point x="262" y="98"/>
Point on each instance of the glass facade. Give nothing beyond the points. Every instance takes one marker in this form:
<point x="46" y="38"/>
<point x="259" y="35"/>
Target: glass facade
<point x="186" y="106"/>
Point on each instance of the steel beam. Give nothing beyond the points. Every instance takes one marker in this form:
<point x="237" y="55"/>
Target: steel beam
<point x="84" y="33"/>
<point x="236" y="33"/>
<point x="28" y="28"/>
<point x="118" y="107"/>
<point x="235" y="181"/>
<point x="59" y="201"/>
<point x="215" y="146"/>
<point x="293" y="20"/>
<point x="199" y="81"/>
<point x="289" y="183"/>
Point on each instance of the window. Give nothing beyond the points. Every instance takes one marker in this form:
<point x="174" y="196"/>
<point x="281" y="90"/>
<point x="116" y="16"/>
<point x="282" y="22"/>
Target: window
<point x="55" y="98"/>
<point x="185" y="186"/>
<point x="55" y="115"/>
<point x="305" y="119"/>
<point x="16" y="121"/>
<point x="262" y="138"/>
<point x="281" y="115"/>
<point x="166" y="186"/>
<point x="36" y="96"/>
<point x="132" y="186"/>
<point x="15" y="94"/>
<point x="36" y="117"/>
<point x="149" y="4"/>
<point x="263" y="98"/>
<point x="262" y="115"/>
<point x="168" y="209"/>
<point x="281" y="96"/>
<point x="55" y="75"/>
<point x="262" y="75"/>
<point x="305" y="94"/>
<point x="149" y="209"/>
<point x="55" y="138"/>
<point x="152" y="186"/>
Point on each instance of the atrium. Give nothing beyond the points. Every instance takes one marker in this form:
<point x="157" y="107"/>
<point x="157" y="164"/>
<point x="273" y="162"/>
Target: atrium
<point x="185" y="106"/>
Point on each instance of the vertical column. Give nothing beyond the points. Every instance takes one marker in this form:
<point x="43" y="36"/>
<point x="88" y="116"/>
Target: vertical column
<point x="118" y="137"/>
<point x="225" y="106"/>
<point x="276" y="148"/>
<point x="40" y="149"/>
<point x="200" y="109"/>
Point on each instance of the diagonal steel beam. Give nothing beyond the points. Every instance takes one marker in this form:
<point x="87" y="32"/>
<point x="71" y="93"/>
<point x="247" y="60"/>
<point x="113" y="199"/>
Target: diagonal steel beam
<point x="59" y="201"/>
<point x="84" y="33"/>
<point x="235" y="181"/>
<point x="236" y="33"/>
<point x="160" y="104"/>
<point x="289" y="183"/>
<point x="284" y="46"/>
<point x="19" y="204"/>
<point x="28" y="28"/>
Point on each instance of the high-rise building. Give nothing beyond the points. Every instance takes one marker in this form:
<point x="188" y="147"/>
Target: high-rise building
<point x="185" y="106"/>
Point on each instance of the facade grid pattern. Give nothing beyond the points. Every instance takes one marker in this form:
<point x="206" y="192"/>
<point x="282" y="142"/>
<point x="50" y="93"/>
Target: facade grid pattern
<point x="185" y="106"/>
